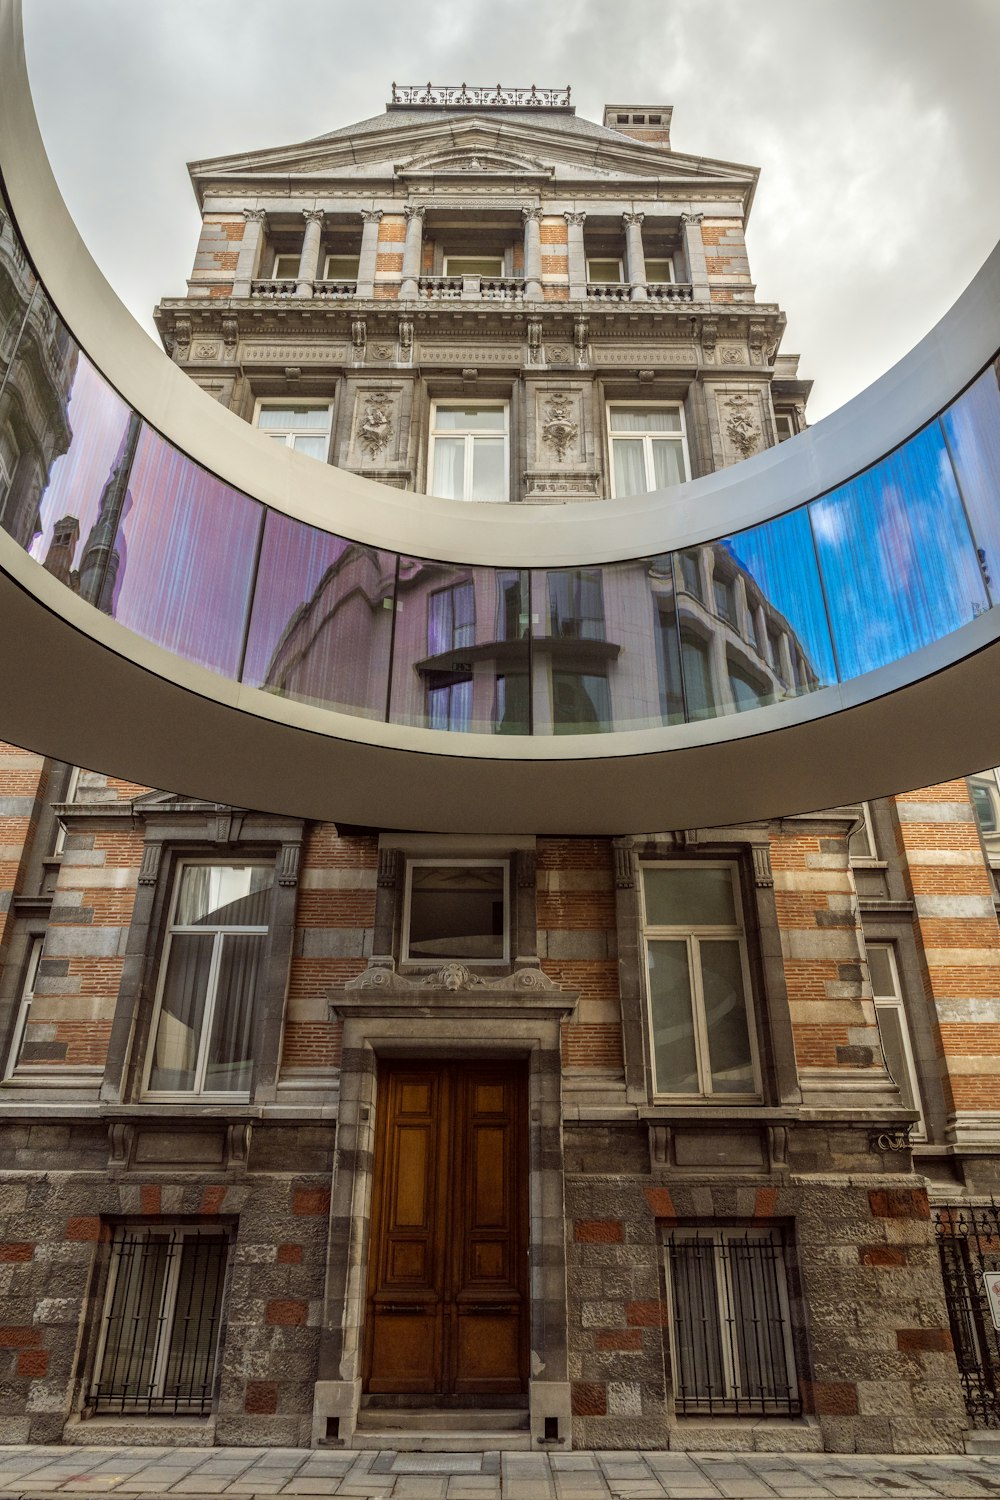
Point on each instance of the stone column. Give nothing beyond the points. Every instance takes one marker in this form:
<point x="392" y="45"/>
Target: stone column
<point x="577" y="256"/>
<point x="309" y="259"/>
<point x="371" y="218"/>
<point x="413" y="249"/>
<point x="635" y="260"/>
<point x="250" y="247"/>
<point x="694" y="254"/>
<point x="532" y="253"/>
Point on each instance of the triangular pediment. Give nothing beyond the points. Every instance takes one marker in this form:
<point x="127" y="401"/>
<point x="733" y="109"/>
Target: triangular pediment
<point x="473" y="159"/>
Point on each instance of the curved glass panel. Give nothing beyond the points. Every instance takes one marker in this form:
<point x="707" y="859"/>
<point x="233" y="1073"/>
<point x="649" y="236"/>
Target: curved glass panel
<point x="886" y="564"/>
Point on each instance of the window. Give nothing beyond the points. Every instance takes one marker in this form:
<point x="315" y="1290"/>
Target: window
<point x="984" y="794"/>
<point x="451" y="618"/>
<point x="861" y="844"/>
<point x="732" y="1345"/>
<point x="160" y="1329"/>
<point x="286" y="267"/>
<point x="893" y="1031"/>
<point x="9" y="454"/>
<point x="698" y="981"/>
<point x="456" y="909"/>
<point x="473" y="265"/>
<point x="17" y="1042"/>
<point x="581" y="702"/>
<point x="691" y="574"/>
<point x="659" y="268"/>
<point x="212" y="963"/>
<point x="724" y="593"/>
<point x="341" y="267"/>
<point x="604" y="270"/>
<point x="576" y="604"/>
<point x="648" y="448"/>
<point x="784" y="425"/>
<point x="69" y="795"/>
<point x="297" y="424"/>
<point x="696" y="666"/>
<point x="469" y="451"/>
<point x="747" y="689"/>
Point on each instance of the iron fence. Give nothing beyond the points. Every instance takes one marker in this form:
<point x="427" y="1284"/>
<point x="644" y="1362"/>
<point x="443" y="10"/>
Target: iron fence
<point x="969" y="1242"/>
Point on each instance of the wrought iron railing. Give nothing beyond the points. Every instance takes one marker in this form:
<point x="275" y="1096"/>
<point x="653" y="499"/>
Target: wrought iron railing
<point x="160" y="1332"/>
<point x="438" y="94"/>
<point x="969" y="1242"/>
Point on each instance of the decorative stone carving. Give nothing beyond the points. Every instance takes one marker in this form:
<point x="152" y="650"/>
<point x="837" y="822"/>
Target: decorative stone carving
<point x="207" y="350"/>
<point x="230" y="332"/>
<point x="559" y="354"/>
<point x="288" y="864"/>
<point x="533" y="211"/>
<point x="451" y="976"/>
<point x="150" y="868"/>
<point x="182" y="337"/>
<point x="313" y="215"/>
<point x="709" y="336"/>
<point x="388" y="868"/>
<point x="762" y="874"/>
<point x="406" y="339"/>
<point x="581" y="338"/>
<point x="553" y="484"/>
<point x="629" y="219"/>
<point x="624" y="870"/>
<point x="578" y="219"/>
<point x="692" y="218"/>
<point x="559" y="431"/>
<point x="381" y="351"/>
<point x="732" y="354"/>
<point x="534" y="340"/>
<point x="359" y="337"/>
<point x="255" y="215"/>
<point x="414" y="210"/>
<point x="371" y="215"/>
<point x="741" y="425"/>
<point x="375" y="423"/>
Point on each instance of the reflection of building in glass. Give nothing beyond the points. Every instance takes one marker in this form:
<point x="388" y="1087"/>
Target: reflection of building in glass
<point x="607" y="1141"/>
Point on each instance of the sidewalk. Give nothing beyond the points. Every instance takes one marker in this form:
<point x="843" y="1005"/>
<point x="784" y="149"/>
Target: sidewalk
<point x="246" y="1472"/>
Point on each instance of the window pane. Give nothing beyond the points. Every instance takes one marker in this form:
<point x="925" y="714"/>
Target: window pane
<point x="286" y="266"/>
<point x="342" y="267"/>
<point x="726" y="1018"/>
<point x="972" y="426"/>
<point x="581" y="703"/>
<point x="696" y="666"/>
<point x="576" y="604"/>
<point x="473" y="265"/>
<point x="668" y="463"/>
<point x="630" y="466"/>
<point x="659" y="270"/>
<point x="457" y="911"/>
<point x="449" y="468"/>
<point x="224" y="895"/>
<point x="182" y="1009"/>
<point x="645" y="419"/>
<point x="880" y="970"/>
<point x="312" y="447"/>
<point x="688" y="897"/>
<point x="890" y="1030"/>
<point x="230" y="1051"/>
<point x="511" y="715"/>
<point x="747" y="691"/>
<point x="316" y="417"/>
<point x="675" y="1063"/>
<point x="489" y="475"/>
<point x="133" y="1330"/>
<point x="697" y="1335"/>
<point x="190" y="1367"/>
<point x="760" y="1363"/>
<point x="471" y="418"/>
<point x="604" y="270"/>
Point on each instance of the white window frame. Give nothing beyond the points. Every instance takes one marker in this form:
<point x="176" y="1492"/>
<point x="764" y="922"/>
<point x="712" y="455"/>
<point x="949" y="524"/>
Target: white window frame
<point x="470" y="435"/>
<point x="870" y="857"/>
<point x="167" y="1308"/>
<point x="293" y="432"/>
<point x="280" y="255"/>
<point x="666" y="260"/>
<point x="717" y="1235"/>
<point x="894" y="1002"/>
<point x="218" y="932"/>
<point x="341" y="255"/>
<point x="471" y="255"/>
<point x="648" y="439"/>
<point x="692" y="935"/>
<point x="594" y="260"/>
<point x="69" y="795"/>
<point x="449" y="863"/>
<point x="787" y="420"/>
<point x="24" y="1006"/>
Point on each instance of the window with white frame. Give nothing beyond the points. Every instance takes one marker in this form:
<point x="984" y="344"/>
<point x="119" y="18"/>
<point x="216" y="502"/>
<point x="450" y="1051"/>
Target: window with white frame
<point x="159" y="1334"/>
<point x="698" y="981"/>
<point x="984" y="793"/>
<point x="604" y="270"/>
<point x="659" y="268"/>
<point x="202" y="1031"/>
<point x="893" y="1030"/>
<point x="730" y="1328"/>
<point x="21" y="1020"/>
<point x="861" y="846"/>
<point x="470" y="450"/>
<point x="648" y="447"/>
<point x="69" y="795"/>
<point x="784" y="426"/>
<point x="456" y="909"/>
<point x="302" y="425"/>
<point x="341" y="267"/>
<point x="286" y="267"/>
<point x="451" y="626"/>
<point x="473" y="265"/>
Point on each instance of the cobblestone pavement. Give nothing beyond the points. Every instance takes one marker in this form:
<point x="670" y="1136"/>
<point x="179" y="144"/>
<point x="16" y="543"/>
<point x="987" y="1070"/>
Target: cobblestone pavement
<point x="246" y="1472"/>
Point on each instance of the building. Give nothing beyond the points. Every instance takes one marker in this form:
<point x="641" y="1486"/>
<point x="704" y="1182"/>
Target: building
<point x="329" y="1134"/>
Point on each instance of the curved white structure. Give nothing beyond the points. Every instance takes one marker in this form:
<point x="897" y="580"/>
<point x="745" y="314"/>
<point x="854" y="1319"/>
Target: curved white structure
<point x="873" y="540"/>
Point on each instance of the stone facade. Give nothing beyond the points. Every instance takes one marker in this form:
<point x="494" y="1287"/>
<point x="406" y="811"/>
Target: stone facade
<point x="830" y="1173"/>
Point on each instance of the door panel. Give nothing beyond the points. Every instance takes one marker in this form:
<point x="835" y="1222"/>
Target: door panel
<point x="447" y="1311"/>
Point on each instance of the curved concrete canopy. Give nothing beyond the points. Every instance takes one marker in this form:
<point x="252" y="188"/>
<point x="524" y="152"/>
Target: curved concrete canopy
<point x="843" y="718"/>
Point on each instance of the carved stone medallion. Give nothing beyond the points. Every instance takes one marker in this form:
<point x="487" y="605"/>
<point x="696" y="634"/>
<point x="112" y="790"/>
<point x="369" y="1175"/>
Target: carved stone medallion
<point x="559" y="431"/>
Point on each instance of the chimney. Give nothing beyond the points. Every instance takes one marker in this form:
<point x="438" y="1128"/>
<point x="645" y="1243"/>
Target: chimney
<point x="644" y="122"/>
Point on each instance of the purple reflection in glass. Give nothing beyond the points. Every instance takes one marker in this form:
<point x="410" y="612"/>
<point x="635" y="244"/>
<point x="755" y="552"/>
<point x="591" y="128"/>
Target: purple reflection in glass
<point x="180" y="564"/>
<point x="897" y="560"/>
<point x="321" y="625"/>
<point x="972" y="427"/>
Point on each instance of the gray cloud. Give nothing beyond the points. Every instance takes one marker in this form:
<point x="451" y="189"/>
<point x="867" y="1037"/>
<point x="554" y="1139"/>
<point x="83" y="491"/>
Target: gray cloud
<point x="875" y="123"/>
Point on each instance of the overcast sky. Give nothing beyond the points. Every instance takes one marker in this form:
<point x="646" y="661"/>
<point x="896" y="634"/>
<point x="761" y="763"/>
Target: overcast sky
<point x="876" y="124"/>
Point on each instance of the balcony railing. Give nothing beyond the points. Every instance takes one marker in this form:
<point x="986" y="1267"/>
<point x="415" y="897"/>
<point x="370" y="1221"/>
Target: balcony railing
<point x="472" y="288"/>
<point x="340" y="289"/>
<point x="272" y="288"/>
<point x="609" y="291"/>
<point x="475" y="288"/>
<point x="656" y="291"/>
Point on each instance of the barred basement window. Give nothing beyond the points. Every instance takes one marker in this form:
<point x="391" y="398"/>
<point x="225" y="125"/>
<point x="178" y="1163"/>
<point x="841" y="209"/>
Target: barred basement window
<point x="160" y="1332"/>
<point x="732" y="1347"/>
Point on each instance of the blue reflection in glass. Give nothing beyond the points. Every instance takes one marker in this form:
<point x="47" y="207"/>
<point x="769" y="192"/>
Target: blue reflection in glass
<point x="321" y="626"/>
<point x="898" y="563"/>
<point x="972" y="427"/>
<point x="785" y="630"/>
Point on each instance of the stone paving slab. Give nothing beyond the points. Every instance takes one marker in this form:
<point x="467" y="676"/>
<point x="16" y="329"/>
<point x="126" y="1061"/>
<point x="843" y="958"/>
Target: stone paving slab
<point x="34" y="1473"/>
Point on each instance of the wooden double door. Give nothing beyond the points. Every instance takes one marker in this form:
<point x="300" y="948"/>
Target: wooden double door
<point x="447" y="1283"/>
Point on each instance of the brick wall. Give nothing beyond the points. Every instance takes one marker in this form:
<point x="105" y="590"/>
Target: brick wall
<point x="577" y="944"/>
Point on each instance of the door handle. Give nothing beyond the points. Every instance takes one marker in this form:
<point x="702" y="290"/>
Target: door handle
<point x="400" y="1307"/>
